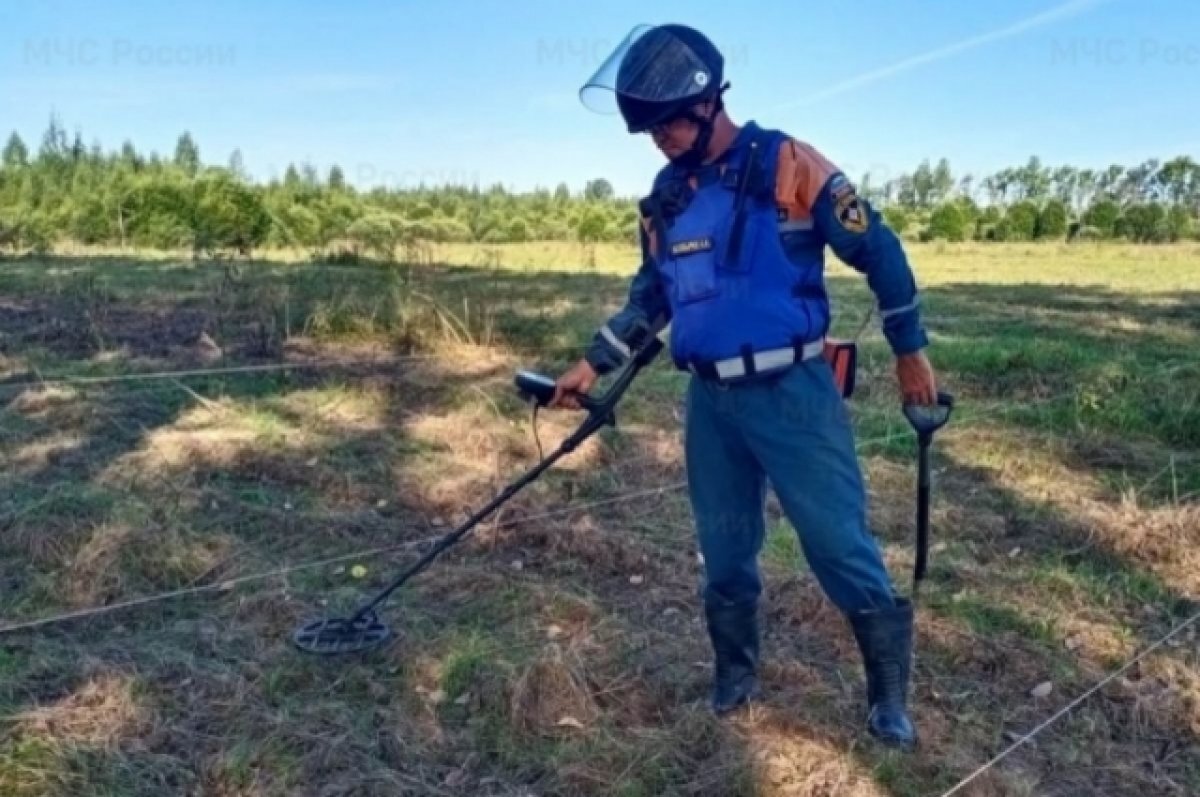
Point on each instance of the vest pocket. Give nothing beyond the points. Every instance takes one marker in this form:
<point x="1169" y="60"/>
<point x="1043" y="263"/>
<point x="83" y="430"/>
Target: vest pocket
<point x="695" y="273"/>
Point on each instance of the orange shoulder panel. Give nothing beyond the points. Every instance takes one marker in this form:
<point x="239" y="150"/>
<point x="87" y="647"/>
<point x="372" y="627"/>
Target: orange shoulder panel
<point x="801" y="175"/>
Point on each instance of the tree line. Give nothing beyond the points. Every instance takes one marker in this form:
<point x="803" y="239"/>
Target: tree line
<point x="1151" y="202"/>
<point x="66" y="191"/>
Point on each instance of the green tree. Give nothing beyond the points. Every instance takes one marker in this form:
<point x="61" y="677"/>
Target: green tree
<point x="187" y="155"/>
<point x="1033" y="180"/>
<point x="130" y="157"/>
<point x="598" y="189"/>
<point x="377" y="233"/>
<point x="16" y="154"/>
<point x="986" y="223"/>
<point x="592" y="226"/>
<point x="1103" y="216"/>
<point x="237" y="166"/>
<point x="1144" y="223"/>
<point x="947" y="222"/>
<point x="1178" y="180"/>
<point x="1052" y="220"/>
<point x="1063" y="181"/>
<point x="1179" y="223"/>
<point x="337" y="178"/>
<point x="1019" y="222"/>
<point x="942" y="182"/>
<point x="54" y="142"/>
<point x="291" y="177"/>
<point x="159" y="212"/>
<point x="227" y="214"/>
<point x="518" y="230"/>
<point x="922" y="185"/>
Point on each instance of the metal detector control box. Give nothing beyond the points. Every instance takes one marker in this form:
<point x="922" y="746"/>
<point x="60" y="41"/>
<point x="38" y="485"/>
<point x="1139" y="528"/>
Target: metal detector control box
<point x="538" y="387"/>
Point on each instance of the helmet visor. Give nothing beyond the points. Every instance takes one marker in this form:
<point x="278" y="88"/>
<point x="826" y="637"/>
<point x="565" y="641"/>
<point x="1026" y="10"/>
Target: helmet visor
<point x="651" y="65"/>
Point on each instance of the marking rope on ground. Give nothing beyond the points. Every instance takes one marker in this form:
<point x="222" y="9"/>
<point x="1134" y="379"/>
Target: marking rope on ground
<point x="1062" y="712"/>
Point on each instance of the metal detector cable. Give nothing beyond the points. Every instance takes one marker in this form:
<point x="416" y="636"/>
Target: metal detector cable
<point x="536" y="437"/>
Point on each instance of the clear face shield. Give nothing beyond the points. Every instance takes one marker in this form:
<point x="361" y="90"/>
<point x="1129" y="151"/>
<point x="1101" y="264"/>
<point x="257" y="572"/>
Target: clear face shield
<point x="651" y="65"/>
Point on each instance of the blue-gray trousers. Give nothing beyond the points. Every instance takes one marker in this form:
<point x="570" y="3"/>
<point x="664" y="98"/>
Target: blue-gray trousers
<point x="795" y="431"/>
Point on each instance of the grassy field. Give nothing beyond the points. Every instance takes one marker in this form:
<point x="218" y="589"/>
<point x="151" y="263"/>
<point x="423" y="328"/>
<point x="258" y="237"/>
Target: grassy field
<point x="562" y="653"/>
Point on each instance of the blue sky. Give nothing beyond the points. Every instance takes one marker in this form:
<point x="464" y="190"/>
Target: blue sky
<point x="486" y="91"/>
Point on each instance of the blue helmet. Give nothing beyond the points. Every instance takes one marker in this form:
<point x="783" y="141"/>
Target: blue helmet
<point x="657" y="73"/>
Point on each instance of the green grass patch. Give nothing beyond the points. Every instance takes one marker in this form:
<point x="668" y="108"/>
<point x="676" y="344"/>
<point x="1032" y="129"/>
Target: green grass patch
<point x="989" y="619"/>
<point x="782" y="549"/>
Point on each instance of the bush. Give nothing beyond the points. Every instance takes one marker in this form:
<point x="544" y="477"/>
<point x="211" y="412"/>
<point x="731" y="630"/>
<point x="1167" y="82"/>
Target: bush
<point x="1019" y="223"/>
<point x="1052" y="220"/>
<point x="227" y="214"/>
<point x="1179" y="223"/>
<point x="896" y="217"/>
<point x="947" y="222"/>
<point x="376" y="234"/>
<point x="593" y="226"/>
<point x="1102" y="216"/>
<point x="1144" y="224"/>
<point x="518" y="230"/>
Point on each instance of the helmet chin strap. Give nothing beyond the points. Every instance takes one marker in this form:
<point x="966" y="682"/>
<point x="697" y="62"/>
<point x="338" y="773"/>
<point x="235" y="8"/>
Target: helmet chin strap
<point x="694" y="156"/>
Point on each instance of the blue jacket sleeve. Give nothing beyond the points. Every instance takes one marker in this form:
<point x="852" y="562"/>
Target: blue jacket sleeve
<point x="646" y="307"/>
<point x="860" y="238"/>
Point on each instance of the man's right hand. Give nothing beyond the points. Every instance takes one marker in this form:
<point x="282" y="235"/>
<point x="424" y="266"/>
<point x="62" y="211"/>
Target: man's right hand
<point x="577" y="380"/>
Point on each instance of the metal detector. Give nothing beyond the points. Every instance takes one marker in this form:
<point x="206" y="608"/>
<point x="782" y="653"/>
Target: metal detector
<point x="363" y="630"/>
<point x="925" y="421"/>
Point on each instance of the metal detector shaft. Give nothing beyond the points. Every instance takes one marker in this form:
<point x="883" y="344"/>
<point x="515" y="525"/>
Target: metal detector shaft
<point x="922" y="508"/>
<point x="585" y="431"/>
<point x="600" y="414"/>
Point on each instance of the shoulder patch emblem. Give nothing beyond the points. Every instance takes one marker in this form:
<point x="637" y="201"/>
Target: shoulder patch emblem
<point x="850" y="211"/>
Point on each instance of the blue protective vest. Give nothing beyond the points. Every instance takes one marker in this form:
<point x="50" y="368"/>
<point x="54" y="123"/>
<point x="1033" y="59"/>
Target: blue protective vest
<point x="729" y="301"/>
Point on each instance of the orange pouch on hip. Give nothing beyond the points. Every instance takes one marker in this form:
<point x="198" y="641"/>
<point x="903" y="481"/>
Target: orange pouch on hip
<point x="842" y="356"/>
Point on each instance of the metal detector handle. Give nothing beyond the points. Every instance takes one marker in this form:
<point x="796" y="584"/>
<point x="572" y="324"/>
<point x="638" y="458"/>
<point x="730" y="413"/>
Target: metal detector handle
<point x="602" y="409"/>
<point x="926" y="421"/>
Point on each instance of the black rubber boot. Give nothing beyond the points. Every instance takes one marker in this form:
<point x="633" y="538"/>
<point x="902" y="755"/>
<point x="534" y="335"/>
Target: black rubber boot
<point x="733" y="629"/>
<point x="885" y="639"/>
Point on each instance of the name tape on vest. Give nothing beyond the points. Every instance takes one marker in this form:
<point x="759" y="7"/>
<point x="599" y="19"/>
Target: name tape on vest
<point x="691" y="247"/>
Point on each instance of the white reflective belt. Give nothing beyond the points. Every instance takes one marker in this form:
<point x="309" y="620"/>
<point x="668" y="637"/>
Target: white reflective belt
<point x="769" y="360"/>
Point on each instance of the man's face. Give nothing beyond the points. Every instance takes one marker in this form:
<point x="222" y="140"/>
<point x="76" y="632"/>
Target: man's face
<point x="675" y="136"/>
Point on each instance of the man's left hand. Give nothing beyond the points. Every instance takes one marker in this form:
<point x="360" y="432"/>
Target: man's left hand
<point x="917" y="383"/>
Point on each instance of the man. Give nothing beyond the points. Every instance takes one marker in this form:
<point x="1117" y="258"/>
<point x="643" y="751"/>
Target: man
<point x="733" y="238"/>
